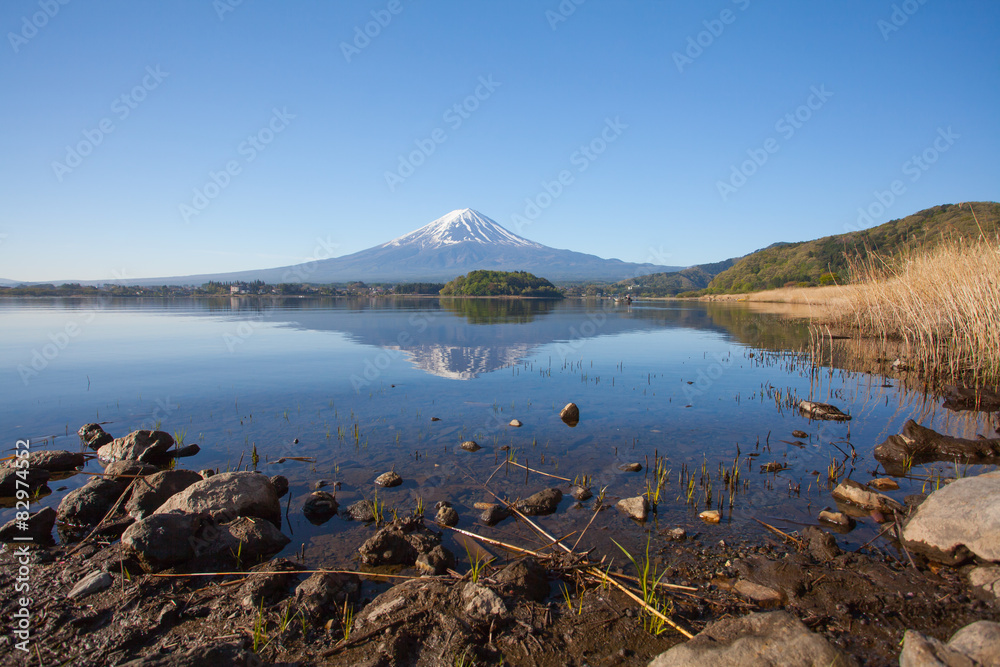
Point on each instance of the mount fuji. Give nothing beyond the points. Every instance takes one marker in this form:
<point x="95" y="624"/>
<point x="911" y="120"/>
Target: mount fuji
<point x="452" y="245"/>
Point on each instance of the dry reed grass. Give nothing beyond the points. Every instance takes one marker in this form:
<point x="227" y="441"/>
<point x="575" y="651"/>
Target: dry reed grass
<point x="943" y="305"/>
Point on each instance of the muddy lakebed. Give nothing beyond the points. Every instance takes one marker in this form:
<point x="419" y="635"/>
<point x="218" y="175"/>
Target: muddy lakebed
<point x="330" y="394"/>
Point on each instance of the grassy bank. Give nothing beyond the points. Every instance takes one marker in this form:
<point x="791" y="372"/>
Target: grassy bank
<point x="943" y="305"/>
<point x="940" y="308"/>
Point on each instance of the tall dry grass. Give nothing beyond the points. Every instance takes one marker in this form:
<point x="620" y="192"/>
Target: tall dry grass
<point x="942" y="304"/>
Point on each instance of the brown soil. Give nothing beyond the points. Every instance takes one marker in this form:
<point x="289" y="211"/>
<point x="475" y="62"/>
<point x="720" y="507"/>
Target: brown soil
<point x="862" y="602"/>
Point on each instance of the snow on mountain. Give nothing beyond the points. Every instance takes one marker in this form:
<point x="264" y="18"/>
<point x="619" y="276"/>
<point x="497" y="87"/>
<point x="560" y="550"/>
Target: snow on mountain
<point x="461" y="226"/>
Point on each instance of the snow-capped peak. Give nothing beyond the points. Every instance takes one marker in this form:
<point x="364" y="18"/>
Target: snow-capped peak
<point x="461" y="226"/>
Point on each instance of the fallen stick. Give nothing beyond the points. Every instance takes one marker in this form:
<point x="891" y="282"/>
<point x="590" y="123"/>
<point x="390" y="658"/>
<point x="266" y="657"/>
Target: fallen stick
<point x="514" y="463"/>
<point x="794" y="541"/>
<point x="642" y="603"/>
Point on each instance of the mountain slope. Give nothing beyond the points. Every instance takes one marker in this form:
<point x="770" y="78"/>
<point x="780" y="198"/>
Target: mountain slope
<point x="674" y="282"/>
<point x="454" y="244"/>
<point x="809" y="261"/>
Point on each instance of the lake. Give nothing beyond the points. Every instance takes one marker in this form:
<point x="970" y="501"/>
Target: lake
<point x="359" y="387"/>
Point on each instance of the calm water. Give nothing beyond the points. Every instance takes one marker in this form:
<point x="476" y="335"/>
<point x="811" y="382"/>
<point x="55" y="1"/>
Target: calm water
<point x="358" y="382"/>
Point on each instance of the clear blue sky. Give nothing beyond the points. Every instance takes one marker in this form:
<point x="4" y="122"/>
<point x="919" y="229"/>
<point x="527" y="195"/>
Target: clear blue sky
<point x="888" y="92"/>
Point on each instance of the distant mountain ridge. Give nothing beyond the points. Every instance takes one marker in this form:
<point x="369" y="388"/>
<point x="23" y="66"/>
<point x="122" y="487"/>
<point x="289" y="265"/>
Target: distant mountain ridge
<point x="454" y="244"/>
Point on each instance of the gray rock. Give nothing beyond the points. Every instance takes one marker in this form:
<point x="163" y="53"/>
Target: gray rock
<point x="494" y="514"/>
<point x="89" y="504"/>
<point x="481" y="603"/>
<point x="524" y="578"/>
<point x="762" y="595"/>
<point x="957" y="520"/>
<point x="36" y="478"/>
<point x="447" y="516"/>
<point x="858" y="494"/>
<point x="389" y="479"/>
<point x="979" y="641"/>
<point x="322" y="594"/>
<point x="635" y="508"/>
<point x="53" y="460"/>
<point x="516" y="423"/>
<point x="675" y="534"/>
<point x="541" y="503"/>
<point x="470" y="446"/>
<point x="763" y="638"/>
<point x="94" y="436"/>
<point x="160" y="541"/>
<point x="570" y="414"/>
<point x="270" y="588"/>
<point x="360" y="511"/>
<point x="416" y="596"/>
<point x="399" y="543"/>
<point x="149" y="493"/>
<point x="280" y="484"/>
<point x="138" y="446"/>
<point x="786" y="575"/>
<point x="581" y="493"/>
<point x="39" y="527"/>
<point x="822" y="411"/>
<point x="94" y="582"/>
<point x="436" y="561"/>
<point x="319" y="507"/>
<point x="164" y="540"/>
<point x="226" y="496"/>
<point x="922" y="651"/>
<point x="630" y="467"/>
<point x="986" y="577"/>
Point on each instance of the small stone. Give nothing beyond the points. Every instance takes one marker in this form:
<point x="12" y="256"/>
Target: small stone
<point x="630" y="467"/>
<point x="762" y="595"/>
<point x="710" y="516"/>
<point x="205" y="474"/>
<point x="515" y="422"/>
<point x="38" y="527"/>
<point x="360" y="511"/>
<point x="541" y="503"/>
<point x="295" y="441"/>
<point x="389" y="479"/>
<point x="494" y="514"/>
<point x="581" y="493"/>
<point x="852" y="492"/>
<point x="94" y="582"/>
<point x="635" y="508"/>
<point x="435" y="562"/>
<point x="471" y="446"/>
<point x="988" y="578"/>
<point x="836" y="518"/>
<point x="773" y="466"/>
<point x="799" y="434"/>
<point x="570" y="414"/>
<point x="675" y="534"/>
<point x="822" y="411"/>
<point x="884" y="484"/>
<point x="433" y="419"/>
<point x="447" y="516"/>
<point x="319" y="507"/>
<point x="482" y="603"/>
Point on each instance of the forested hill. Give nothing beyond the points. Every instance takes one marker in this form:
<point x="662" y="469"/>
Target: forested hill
<point x="825" y="260"/>
<point x="500" y="283"/>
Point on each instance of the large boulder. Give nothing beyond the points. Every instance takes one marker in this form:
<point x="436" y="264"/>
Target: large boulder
<point x="35" y="478"/>
<point x="53" y="460"/>
<point x="976" y="644"/>
<point x="149" y="493"/>
<point x="38" y="527"/>
<point x="164" y="540"/>
<point x="138" y="446"/>
<point x="90" y="503"/>
<point x="769" y="638"/>
<point x="958" y="520"/>
<point x="226" y="496"/>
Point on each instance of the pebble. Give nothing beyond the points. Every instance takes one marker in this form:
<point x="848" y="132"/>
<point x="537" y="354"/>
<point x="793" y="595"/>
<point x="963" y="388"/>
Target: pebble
<point x="94" y="582"/>
<point x="884" y="484"/>
<point x="389" y="479"/>
<point x="630" y="467"/>
<point x="515" y="422"/>
<point x="471" y="446"/>
<point x="710" y="516"/>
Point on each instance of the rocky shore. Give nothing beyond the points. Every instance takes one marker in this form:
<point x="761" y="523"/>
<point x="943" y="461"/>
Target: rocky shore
<point x="167" y="566"/>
